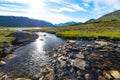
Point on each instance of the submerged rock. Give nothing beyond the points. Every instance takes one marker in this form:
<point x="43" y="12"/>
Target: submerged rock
<point x="2" y="63"/>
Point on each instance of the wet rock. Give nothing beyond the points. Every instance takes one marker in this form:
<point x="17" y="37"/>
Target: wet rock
<point x="42" y="64"/>
<point x="59" y="55"/>
<point x="71" y="55"/>
<point x="63" y="63"/>
<point x="80" y="55"/>
<point x="10" y="56"/>
<point x="5" y="77"/>
<point x="79" y="63"/>
<point x="54" y="61"/>
<point x="93" y="56"/>
<point x="37" y="76"/>
<point x="115" y="74"/>
<point x="117" y="49"/>
<point x="7" y="48"/>
<point x="98" y="46"/>
<point x="107" y="75"/>
<point x="71" y="41"/>
<point x="102" y="43"/>
<point x="48" y="74"/>
<point x="102" y="78"/>
<point x="87" y="76"/>
<point x="62" y="58"/>
<point x="89" y="46"/>
<point x="42" y="78"/>
<point x="22" y="79"/>
<point x="2" y="63"/>
<point x="1" y="74"/>
<point x="107" y="64"/>
<point x="54" y="55"/>
<point x="78" y="73"/>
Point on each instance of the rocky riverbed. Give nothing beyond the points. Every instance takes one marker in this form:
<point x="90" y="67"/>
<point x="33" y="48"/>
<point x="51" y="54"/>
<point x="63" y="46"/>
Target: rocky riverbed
<point x="87" y="60"/>
<point x="80" y="60"/>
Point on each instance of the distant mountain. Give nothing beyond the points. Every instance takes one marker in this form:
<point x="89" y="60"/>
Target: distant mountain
<point x="12" y="21"/>
<point x="90" y="20"/>
<point x="67" y="23"/>
<point x="110" y="16"/>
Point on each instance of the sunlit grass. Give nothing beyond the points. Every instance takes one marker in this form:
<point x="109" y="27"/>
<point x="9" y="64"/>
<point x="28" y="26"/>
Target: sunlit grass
<point x="4" y="38"/>
<point x="89" y="34"/>
<point x="105" y="30"/>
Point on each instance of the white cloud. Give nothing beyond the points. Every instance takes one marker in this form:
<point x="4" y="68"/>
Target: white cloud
<point x="69" y="8"/>
<point x="63" y="9"/>
<point x="56" y="1"/>
<point x="76" y="7"/>
<point x="101" y="6"/>
<point x="86" y="5"/>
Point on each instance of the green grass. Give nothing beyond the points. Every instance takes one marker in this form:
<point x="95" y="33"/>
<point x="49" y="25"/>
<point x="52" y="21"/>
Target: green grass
<point x="41" y="29"/>
<point x="89" y="34"/>
<point x="105" y="30"/>
<point x="4" y="38"/>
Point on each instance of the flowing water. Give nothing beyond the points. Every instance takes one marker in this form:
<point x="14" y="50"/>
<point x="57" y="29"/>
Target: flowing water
<point x="29" y="58"/>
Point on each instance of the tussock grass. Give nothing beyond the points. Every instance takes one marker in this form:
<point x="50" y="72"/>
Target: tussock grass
<point x="4" y="38"/>
<point x="105" y="30"/>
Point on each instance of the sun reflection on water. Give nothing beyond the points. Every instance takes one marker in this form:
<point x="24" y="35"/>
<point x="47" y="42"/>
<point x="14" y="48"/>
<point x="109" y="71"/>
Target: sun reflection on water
<point x="39" y="52"/>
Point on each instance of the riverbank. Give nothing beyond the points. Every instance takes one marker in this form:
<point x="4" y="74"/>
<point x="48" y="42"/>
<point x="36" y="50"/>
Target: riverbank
<point x="87" y="60"/>
<point x="11" y="39"/>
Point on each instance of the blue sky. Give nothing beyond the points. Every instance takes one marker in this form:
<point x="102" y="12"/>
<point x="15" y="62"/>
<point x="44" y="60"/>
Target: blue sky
<point x="58" y="11"/>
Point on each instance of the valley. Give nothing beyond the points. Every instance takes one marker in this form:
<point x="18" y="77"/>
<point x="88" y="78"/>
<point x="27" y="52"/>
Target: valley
<point x="73" y="51"/>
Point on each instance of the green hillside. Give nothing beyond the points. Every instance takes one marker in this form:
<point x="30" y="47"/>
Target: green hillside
<point x="110" y="16"/>
<point x="104" y="30"/>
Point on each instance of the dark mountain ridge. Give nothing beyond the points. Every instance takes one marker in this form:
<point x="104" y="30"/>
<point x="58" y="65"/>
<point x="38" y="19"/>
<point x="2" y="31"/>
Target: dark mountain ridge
<point x="13" y="21"/>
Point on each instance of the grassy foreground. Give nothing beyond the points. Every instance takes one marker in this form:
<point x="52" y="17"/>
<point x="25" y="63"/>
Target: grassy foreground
<point x="104" y="30"/>
<point x="4" y="38"/>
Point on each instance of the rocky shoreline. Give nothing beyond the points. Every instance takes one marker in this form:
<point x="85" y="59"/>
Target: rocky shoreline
<point x="87" y="60"/>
